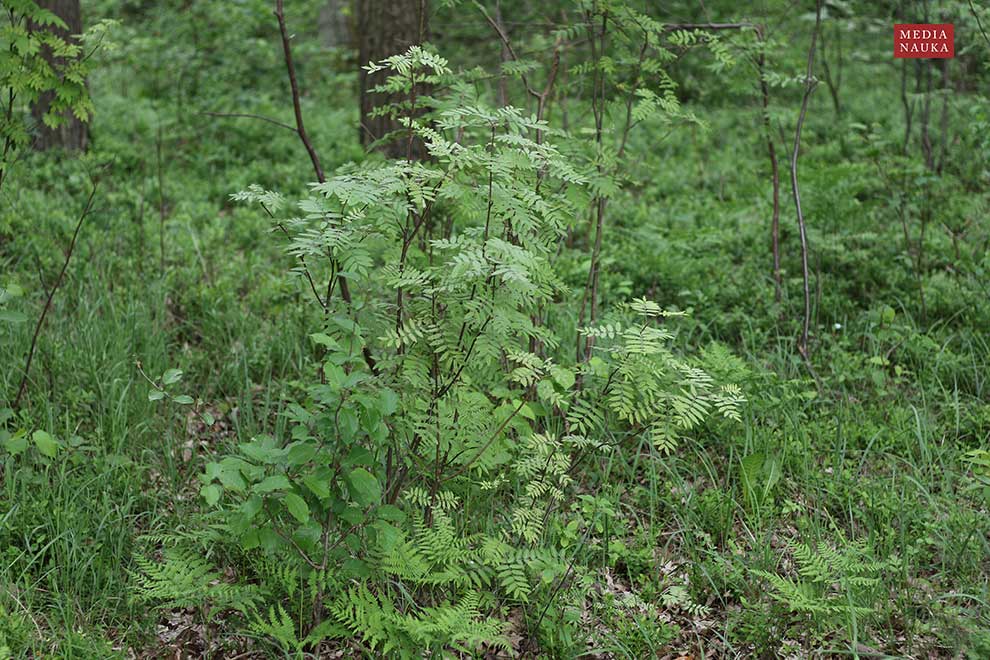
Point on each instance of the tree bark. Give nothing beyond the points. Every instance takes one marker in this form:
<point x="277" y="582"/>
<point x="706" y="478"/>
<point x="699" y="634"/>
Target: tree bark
<point x="385" y="28"/>
<point x="332" y="25"/>
<point x="71" y="133"/>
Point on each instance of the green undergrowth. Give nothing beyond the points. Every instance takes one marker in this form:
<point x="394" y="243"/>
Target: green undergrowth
<point x="837" y="514"/>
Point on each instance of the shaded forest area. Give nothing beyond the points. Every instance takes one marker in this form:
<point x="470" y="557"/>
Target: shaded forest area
<point x="491" y="329"/>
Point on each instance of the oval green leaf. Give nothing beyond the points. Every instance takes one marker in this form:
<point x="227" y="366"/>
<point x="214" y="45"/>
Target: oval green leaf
<point x="365" y="489"/>
<point x="297" y="507"/>
<point x="45" y="443"/>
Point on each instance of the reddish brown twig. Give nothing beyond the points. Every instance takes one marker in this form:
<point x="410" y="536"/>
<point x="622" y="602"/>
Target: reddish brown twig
<point x="345" y="290"/>
<point x="294" y="86"/>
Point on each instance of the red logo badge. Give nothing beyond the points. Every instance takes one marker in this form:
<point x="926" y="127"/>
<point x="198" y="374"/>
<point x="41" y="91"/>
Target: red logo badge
<point x="925" y="40"/>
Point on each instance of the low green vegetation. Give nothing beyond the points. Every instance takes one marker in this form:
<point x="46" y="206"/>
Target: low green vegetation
<point x="526" y="390"/>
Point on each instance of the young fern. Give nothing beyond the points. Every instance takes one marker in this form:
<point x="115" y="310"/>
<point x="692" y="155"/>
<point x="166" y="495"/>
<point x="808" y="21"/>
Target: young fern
<point x="184" y="579"/>
<point x="831" y="584"/>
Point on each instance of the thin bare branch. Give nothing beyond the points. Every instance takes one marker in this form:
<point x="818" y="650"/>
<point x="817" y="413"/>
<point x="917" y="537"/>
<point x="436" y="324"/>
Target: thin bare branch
<point x="51" y="294"/>
<point x="345" y="290"/>
<point x="979" y="23"/>
<point x="809" y="87"/>
<point x="248" y="115"/>
<point x="774" y="167"/>
<point x="294" y="85"/>
<point x="672" y="27"/>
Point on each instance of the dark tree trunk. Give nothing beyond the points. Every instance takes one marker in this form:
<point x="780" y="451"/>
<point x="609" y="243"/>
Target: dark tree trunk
<point x="71" y="133"/>
<point x="385" y="28"/>
<point x="332" y="25"/>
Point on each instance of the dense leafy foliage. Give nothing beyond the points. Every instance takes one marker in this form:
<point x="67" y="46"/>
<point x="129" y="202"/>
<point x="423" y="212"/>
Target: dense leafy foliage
<point x="36" y="59"/>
